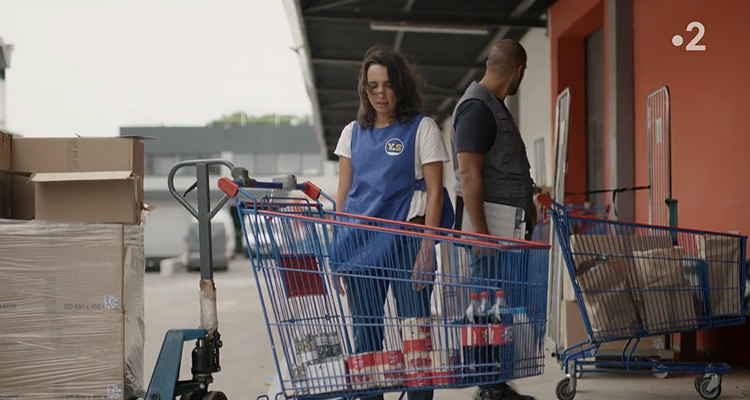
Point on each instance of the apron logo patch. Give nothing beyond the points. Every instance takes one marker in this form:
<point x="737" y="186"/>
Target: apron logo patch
<point x="394" y="147"/>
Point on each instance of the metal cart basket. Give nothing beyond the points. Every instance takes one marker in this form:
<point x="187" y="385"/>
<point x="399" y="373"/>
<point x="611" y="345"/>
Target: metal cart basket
<point x="633" y="280"/>
<point x="347" y="316"/>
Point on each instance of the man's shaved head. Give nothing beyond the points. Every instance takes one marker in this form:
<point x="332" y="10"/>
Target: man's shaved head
<point x="506" y="56"/>
<point x="506" y="64"/>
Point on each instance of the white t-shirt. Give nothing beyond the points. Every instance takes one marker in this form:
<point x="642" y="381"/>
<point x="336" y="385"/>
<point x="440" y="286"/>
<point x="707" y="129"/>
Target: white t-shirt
<point x="430" y="148"/>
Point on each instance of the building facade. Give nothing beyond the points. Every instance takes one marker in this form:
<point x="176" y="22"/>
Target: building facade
<point x="265" y="150"/>
<point x="613" y="55"/>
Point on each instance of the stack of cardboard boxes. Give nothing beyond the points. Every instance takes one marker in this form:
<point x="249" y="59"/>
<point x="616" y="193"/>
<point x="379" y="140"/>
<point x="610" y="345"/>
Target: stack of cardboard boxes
<point x="643" y="284"/>
<point x="603" y="272"/>
<point x="71" y="268"/>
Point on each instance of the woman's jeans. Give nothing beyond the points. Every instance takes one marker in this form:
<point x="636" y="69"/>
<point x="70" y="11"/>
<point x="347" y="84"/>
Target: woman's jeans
<point x="366" y="294"/>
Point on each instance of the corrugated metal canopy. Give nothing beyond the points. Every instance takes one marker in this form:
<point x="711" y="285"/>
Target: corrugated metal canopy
<point x="441" y="36"/>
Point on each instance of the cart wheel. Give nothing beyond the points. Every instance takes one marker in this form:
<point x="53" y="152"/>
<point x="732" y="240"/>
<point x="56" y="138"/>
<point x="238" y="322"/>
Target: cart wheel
<point x="703" y="377"/>
<point x="563" y="392"/>
<point x="698" y="380"/>
<point x="215" y="396"/>
<point x="709" y="394"/>
<point x="660" y="375"/>
<point x="192" y="396"/>
<point x="486" y="394"/>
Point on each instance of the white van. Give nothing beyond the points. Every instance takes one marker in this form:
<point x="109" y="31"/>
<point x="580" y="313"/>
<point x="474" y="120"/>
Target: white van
<point x="222" y="241"/>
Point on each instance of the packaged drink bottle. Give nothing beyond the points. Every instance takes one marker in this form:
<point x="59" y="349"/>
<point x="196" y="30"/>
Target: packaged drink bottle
<point x="500" y="339"/>
<point x="473" y="338"/>
<point x="472" y="312"/>
<point x="483" y="351"/>
<point x="484" y="309"/>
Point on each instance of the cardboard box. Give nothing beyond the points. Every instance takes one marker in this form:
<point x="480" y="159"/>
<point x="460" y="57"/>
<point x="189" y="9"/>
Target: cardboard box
<point x="658" y="268"/>
<point x="75" y="290"/>
<point x="76" y="268"/>
<point x="54" y="356"/>
<point x="573" y="332"/>
<point x="723" y="256"/>
<point x="81" y="179"/>
<point x="665" y="301"/>
<point x="587" y="248"/>
<point x="22" y="196"/>
<point x="5" y="180"/>
<point x="90" y="154"/>
<point x="90" y="197"/>
<point x="609" y="302"/>
<point x="668" y="310"/>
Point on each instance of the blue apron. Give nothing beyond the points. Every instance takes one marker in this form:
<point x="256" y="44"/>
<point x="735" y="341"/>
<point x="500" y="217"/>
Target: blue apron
<point x="383" y="184"/>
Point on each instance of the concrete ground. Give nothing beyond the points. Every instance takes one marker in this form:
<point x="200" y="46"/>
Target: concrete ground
<point x="248" y="368"/>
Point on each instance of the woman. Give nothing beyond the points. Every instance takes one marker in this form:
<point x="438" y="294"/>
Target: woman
<point x="391" y="167"/>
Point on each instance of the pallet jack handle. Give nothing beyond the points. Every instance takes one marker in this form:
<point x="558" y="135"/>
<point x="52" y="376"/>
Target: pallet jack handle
<point x="165" y="383"/>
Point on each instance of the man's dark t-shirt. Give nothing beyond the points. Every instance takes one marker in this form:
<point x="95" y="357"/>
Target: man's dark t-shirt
<point x="475" y="127"/>
<point x="475" y="132"/>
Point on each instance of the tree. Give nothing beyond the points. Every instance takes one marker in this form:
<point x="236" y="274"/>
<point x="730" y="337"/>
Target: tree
<point x="242" y="118"/>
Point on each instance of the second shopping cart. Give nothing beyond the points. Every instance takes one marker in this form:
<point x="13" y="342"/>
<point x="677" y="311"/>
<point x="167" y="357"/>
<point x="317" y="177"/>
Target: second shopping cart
<point x="633" y="281"/>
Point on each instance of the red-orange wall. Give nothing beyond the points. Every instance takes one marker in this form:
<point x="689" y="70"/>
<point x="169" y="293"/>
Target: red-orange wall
<point x="710" y="107"/>
<point x="710" y="117"/>
<point x="710" y="112"/>
<point x="570" y="22"/>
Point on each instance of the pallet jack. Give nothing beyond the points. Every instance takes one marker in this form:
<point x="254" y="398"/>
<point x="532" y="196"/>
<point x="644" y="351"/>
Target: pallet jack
<point x="165" y="383"/>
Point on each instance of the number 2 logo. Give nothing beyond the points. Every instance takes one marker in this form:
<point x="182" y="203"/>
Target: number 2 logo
<point x="677" y="40"/>
<point x="693" y="45"/>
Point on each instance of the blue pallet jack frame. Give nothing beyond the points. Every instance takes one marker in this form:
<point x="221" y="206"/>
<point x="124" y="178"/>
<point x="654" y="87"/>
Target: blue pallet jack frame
<point x="165" y="383"/>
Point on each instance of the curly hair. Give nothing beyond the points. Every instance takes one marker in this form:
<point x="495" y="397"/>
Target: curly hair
<point x="405" y="82"/>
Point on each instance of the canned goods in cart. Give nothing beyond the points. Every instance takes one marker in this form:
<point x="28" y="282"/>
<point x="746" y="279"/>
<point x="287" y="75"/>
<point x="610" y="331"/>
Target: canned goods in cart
<point x="444" y="367"/>
<point x="417" y="345"/>
<point x="361" y="371"/>
<point x="415" y="328"/>
<point x="418" y="379"/>
<point x="417" y="360"/>
<point x="389" y="368"/>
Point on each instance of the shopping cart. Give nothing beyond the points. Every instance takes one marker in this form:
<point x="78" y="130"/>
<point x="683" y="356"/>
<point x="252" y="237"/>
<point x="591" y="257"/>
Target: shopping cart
<point x="383" y="334"/>
<point x="633" y="280"/>
<point x="542" y="226"/>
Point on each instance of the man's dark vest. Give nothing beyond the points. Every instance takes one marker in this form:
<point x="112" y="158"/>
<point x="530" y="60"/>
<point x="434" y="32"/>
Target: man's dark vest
<point x="506" y="170"/>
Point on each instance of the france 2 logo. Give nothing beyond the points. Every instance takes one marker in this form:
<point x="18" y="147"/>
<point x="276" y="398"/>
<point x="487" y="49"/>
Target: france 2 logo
<point x="394" y="147"/>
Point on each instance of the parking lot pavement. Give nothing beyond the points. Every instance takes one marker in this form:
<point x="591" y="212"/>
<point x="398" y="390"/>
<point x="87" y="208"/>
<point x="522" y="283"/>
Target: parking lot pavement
<point x="172" y="302"/>
<point x="248" y="368"/>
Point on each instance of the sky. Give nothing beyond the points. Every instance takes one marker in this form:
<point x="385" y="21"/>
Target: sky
<point x="88" y="67"/>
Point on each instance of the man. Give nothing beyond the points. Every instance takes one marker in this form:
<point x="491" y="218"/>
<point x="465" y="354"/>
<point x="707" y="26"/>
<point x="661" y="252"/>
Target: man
<point x="490" y="160"/>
